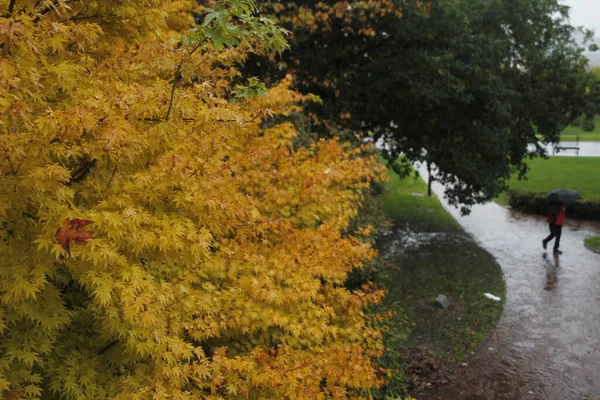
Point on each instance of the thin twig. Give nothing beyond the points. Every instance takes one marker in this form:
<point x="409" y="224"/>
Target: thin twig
<point x="30" y="216"/>
<point x="82" y="171"/>
<point x="11" y="166"/>
<point x="11" y="7"/>
<point x="20" y="164"/>
<point x="112" y="176"/>
<point x="50" y="8"/>
<point x="85" y="9"/>
<point x="303" y="365"/>
<point x="225" y="168"/>
<point x="108" y="346"/>
<point x="176" y="78"/>
<point x="253" y="118"/>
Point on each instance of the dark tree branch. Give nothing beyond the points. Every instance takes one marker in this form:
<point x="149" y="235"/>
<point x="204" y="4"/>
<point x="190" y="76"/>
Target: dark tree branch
<point x="51" y="8"/>
<point x="177" y="77"/>
<point x="11" y="8"/>
<point x="12" y="168"/>
<point x="82" y="172"/>
<point x="30" y="216"/>
<point x="77" y="16"/>
<point x="113" y="175"/>
<point x="107" y="347"/>
<point x="253" y="118"/>
<point x="20" y="164"/>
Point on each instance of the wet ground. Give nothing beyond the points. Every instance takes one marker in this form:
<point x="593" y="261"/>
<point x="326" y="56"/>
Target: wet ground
<point x="547" y="343"/>
<point x="586" y="149"/>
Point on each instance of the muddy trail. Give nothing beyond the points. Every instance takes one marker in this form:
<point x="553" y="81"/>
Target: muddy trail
<point x="547" y="343"/>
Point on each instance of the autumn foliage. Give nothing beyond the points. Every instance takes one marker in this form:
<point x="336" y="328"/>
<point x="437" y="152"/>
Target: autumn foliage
<point x="71" y="231"/>
<point x="157" y="240"/>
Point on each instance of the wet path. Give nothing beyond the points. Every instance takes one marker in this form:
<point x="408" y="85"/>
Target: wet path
<point x="547" y="343"/>
<point x="586" y="149"/>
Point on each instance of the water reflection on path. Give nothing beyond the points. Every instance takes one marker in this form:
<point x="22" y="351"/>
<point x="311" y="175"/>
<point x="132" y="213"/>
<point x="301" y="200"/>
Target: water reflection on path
<point x="547" y="343"/>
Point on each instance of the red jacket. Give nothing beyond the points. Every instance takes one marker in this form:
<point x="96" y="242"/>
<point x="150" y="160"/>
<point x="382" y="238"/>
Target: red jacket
<point x="556" y="219"/>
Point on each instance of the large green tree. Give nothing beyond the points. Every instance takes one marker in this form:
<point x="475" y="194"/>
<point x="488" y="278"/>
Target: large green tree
<point x="465" y="85"/>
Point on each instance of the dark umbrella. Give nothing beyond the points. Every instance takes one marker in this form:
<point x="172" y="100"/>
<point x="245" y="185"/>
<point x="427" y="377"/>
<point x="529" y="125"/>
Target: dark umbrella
<point x="563" y="195"/>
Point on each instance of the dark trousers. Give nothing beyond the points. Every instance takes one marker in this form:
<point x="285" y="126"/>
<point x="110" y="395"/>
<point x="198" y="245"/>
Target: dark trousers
<point x="555" y="232"/>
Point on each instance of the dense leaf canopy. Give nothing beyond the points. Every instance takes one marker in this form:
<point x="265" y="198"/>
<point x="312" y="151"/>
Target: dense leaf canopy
<point x="465" y="85"/>
<point x="156" y="240"/>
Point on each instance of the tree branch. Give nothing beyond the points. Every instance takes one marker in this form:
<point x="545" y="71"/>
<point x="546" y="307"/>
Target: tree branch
<point x="303" y="365"/>
<point x="50" y="8"/>
<point x="112" y="176"/>
<point x="11" y="8"/>
<point x="12" y="168"/>
<point x="30" y="216"/>
<point x="176" y="77"/>
<point x="82" y="171"/>
<point x="107" y="347"/>
<point x="253" y="118"/>
<point x="85" y="9"/>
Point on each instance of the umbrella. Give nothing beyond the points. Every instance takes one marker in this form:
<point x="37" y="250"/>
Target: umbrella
<point x="563" y="195"/>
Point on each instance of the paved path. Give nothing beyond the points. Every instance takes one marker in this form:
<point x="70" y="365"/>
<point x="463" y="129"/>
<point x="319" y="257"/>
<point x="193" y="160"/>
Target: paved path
<point x="547" y="343"/>
<point x="586" y="149"/>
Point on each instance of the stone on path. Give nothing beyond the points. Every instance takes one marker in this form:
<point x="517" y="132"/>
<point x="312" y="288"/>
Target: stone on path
<point x="442" y="301"/>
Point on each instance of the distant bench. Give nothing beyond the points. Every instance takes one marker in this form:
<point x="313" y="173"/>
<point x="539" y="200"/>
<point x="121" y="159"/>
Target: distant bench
<point x="575" y="148"/>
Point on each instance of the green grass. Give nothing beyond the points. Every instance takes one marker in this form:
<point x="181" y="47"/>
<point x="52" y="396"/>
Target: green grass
<point x="593" y="243"/>
<point x="451" y="263"/>
<point x="570" y="133"/>
<point x="579" y="173"/>
<point x="571" y="136"/>
<point x="407" y="201"/>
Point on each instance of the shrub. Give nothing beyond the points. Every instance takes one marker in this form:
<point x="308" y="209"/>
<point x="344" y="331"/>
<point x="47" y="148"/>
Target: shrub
<point x="588" y="124"/>
<point x="536" y="203"/>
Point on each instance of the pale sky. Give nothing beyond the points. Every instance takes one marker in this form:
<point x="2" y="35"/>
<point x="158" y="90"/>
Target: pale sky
<point x="586" y="13"/>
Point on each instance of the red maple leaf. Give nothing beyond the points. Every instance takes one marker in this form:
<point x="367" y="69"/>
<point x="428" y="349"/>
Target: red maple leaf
<point x="71" y="231"/>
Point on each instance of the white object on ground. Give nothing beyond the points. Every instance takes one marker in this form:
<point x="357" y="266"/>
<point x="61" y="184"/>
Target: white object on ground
<point x="491" y="296"/>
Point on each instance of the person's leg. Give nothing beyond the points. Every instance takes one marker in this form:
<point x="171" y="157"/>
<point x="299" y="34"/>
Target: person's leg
<point x="558" y="232"/>
<point x="550" y="236"/>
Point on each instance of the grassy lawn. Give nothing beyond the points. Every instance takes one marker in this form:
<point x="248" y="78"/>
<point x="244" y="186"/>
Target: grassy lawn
<point x="571" y="136"/>
<point x="593" y="243"/>
<point x="579" y="173"/>
<point x="570" y="133"/>
<point x="422" y="337"/>
<point x="407" y="201"/>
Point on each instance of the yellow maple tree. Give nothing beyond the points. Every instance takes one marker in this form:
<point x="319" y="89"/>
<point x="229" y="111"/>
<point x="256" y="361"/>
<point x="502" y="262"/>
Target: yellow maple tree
<point x="157" y="241"/>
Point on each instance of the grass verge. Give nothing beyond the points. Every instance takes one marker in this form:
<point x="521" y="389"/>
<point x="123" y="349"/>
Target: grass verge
<point x="426" y="344"/>
<point x="572" y="132"/>
<point x="579" y="173"/>
<point x="406" y="201"/>
<point x="593" y="243"/>
<point x="571" y="136"/>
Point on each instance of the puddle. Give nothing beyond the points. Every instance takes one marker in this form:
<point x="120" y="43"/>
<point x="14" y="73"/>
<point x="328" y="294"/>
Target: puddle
<point x="402" y="240"/>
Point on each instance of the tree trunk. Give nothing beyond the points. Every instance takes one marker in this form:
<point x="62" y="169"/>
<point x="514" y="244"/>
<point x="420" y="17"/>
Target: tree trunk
<point x="429" y="179"/>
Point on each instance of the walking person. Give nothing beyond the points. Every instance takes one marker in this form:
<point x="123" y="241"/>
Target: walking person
<point x="556" y="217"/>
